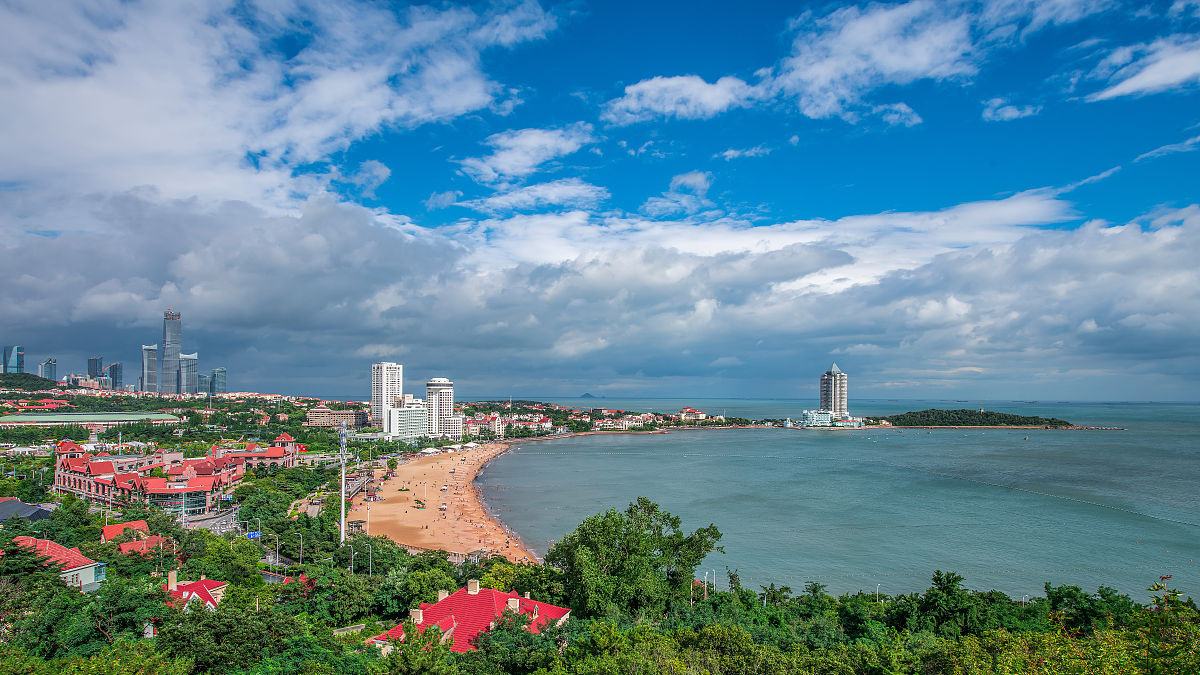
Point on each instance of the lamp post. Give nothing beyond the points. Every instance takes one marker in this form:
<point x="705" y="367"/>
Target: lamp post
<point x="352" y="558"/>
<point x="370" y="559"/>
<point x="301" y="546"/>
<point x="277" y="561"/>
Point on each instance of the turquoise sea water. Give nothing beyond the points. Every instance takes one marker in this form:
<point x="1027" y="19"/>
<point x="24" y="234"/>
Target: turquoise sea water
<point x="853" y="509"/>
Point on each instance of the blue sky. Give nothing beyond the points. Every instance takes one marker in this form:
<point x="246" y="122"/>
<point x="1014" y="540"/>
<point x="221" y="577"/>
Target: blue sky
<point x="964" y="199"/>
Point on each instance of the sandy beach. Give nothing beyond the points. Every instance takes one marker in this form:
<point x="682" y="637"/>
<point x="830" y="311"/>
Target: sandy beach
<point x="464" y="526"/>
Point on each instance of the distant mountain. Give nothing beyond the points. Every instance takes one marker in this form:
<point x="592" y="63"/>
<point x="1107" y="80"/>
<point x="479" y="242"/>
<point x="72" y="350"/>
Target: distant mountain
<point x="590" y="396"/>
<point x="26" y="381"/>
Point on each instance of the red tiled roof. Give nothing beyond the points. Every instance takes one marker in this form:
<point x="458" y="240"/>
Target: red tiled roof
<point x="59" y="555"/>
<point x="469" y="615"/>
<point x="68" y="446"/>
<point x="201" y="590"/>
<point x="286" y="438"/>
<point x="144" y="546"/>
<point x="109" y="532"/>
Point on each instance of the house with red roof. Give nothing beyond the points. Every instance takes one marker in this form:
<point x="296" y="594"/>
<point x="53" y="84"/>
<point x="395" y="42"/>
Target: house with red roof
<point x="110" y="532"/>
<point x="202" y="594"/>
<point x="463" y="615"/>
<point x="75" y="568"/>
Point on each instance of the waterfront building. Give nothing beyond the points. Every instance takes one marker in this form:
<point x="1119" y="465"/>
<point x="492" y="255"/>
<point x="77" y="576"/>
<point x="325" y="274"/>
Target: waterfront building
<point x="439" y="407"/>
<point x="816" y="418"/>
<point x="172" y="343"/>
<point x="48" y="369"/>
<point x="96" y="367"/>
<point x="407" y="422"/>
<point x="833" y="392"/>
<point x="115" y="375"/>
<point x="188" y="371"/>
<point x="14" y="359"/>
<point x="387" y="386"/>
<point x="216" y="381"/>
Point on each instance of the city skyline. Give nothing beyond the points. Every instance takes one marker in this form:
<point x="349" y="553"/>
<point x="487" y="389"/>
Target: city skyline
<point x="987" y="200"/>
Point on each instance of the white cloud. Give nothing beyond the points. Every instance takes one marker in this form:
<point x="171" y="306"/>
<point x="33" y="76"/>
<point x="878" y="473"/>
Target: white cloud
<point x="440" y="200"/>
<point x="520" y="152"/>
<point x="1163" y="65"/>
<point x="1000" y="110"/>
<point x="1189" y="145"/>
<point x="898" y="114"/>
<point x="188" y="98"/>
<point x="681" y="96"/>
<point x="737" y="153"/>
<point x="1182" y="8"/>
<point x="370" y="175"/>
<point x="568" y="192"/>
<point x="1038" y="14"/>
<point x="839" y="57"/>
<point x="686" y="196"/>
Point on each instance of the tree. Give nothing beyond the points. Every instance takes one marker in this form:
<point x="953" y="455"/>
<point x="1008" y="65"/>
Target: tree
<point x="633" y="561"/>
<point x="419" y="653"/>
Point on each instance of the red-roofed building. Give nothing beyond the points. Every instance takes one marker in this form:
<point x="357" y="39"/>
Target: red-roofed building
<point x="191" y="487"/>
<point x="75" y="568"/>
<point x="208" y="593"/>
<point x="110" y="532"/>
<point x="464" y="614"/>
<point x="144" y="546"/>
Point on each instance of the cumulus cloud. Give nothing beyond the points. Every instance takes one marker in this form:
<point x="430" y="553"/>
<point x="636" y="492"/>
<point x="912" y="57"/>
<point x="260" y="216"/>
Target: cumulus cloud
<point x="1000" y="110"/>
<point x="1163" y="65"/>
<point x="568" y="192"/>
<point x="198" y="99"/>
<point x="440" y="200"/>
<point x="687" y="195"/>
<point x="682" y="96"/>
<point x="520" y="152"/>
<point x="839" y="57"/>
<point x="898" y="114"/>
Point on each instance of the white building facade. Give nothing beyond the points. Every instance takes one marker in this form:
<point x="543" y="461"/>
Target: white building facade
<point x="834" y="384"/>
<point x="387" y="389"/>
<point x="408" y="422"/>
<point x="439" y="406"/>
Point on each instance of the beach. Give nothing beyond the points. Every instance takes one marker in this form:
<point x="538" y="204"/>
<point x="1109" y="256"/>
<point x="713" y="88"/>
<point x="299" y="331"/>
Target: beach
<point x="464" y="526"/>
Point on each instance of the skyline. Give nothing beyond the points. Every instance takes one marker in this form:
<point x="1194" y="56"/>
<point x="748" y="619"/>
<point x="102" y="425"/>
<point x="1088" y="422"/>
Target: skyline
<point x="991" y="200"/>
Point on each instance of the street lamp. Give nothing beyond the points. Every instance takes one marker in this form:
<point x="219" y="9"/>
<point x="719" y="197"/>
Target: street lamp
<point x="352" y="558"/>
<point x="301" y="546"/>
<point x="277" y="561"/>
<point x="370" y="559"/>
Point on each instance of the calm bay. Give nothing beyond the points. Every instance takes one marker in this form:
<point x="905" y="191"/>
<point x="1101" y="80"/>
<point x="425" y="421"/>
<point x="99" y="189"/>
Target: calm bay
<point x="852" y="509"/>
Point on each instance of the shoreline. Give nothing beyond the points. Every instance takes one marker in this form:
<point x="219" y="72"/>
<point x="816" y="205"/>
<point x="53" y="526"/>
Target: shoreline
<point x="454" y="518"/>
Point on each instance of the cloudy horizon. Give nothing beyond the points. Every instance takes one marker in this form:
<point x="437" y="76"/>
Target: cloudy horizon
<point x="988" y="200"/>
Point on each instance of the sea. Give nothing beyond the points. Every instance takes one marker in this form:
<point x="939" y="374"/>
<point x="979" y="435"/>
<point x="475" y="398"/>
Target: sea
<point x="880" y="510"/>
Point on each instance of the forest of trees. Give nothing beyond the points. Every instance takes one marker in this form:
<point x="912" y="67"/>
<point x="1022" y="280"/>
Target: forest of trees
<point x="626" y="574"/>
<point x="970" y="418"/>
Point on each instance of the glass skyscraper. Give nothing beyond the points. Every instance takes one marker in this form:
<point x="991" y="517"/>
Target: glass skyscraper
<point x="96" y="367"/>
<point x="188" y="380"/>
<point x="216" y="381"/>
<point x="115" y="375"/>
<point x="168" y="372"/>
<point x="14" y="359"/>
<point x="149" y="379"/>
<point x="48" y="369"/>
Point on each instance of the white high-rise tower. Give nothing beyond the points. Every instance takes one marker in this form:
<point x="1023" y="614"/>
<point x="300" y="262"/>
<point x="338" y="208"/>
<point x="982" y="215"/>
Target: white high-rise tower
<point x="439" y="406"/>
<point x="833" y="392"/>
<point x="387" y="386"/>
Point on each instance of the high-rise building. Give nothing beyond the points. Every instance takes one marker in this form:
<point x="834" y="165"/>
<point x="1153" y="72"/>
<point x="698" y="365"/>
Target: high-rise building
<point x="216" y="381"/>
<point x="14" y="359"/>
<point x="188" y="372"/>
<point x="172" y="343"/>
<point x="833" y="392"/>
<point x="96" y="367"/>
<point x="408" y="422"/>
<point x="149" y="379"/>
<point x="48" y="369"/>
<point x="114" y="372"/>
<point x="439" y="406"/>
<point x="387" y="385"/>
<point x="203" y="386"/>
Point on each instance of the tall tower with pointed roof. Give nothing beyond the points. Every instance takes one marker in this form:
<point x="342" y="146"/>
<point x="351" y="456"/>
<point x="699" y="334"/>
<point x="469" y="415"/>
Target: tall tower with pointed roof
<point x="833" y="392"/>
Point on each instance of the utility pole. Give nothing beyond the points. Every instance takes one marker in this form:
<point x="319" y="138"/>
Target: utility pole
<point x="342" y="494"/>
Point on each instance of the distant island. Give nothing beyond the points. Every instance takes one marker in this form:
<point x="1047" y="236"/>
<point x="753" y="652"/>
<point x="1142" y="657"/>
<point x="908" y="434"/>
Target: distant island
<point x="586" y="395"/>
<point x="967" y="418"/>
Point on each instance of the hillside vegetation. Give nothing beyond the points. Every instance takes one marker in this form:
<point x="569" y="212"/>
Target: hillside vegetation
<point x="26" y="381"/>
<point x="970" y="418"/>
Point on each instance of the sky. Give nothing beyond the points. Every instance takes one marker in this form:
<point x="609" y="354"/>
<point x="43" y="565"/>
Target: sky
<point x="995" y="200"/>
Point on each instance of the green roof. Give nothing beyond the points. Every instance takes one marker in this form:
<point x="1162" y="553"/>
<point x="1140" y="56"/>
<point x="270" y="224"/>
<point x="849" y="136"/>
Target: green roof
<point x="85" y="418"/>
